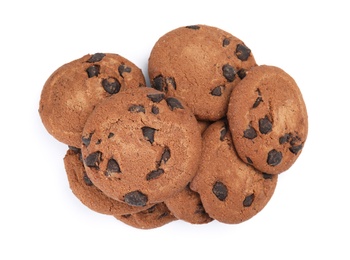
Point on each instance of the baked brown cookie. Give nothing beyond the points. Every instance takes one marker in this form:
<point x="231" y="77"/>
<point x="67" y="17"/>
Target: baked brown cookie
<point x="268" y="119"/>
<point x="186" y="205"/>
<point x="199" y="64"/>
<point x="140" y="147"/>
<point x="231" y="191"/>
<point x="154" y="217"/>
<point x="87" y="192"/>
<point x="72" y="91"/>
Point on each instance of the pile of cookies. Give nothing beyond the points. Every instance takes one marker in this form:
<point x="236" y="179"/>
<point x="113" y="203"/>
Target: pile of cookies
<point x="206" y="141"/>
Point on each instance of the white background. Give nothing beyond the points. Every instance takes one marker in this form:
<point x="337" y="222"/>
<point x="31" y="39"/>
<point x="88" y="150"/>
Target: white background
<point x="308" y="216"/>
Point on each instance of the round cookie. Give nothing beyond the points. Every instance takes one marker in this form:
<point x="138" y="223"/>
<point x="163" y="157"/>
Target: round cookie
<point x="186" y="205"/>
<point x="71" y="92"/>
<point x="87" y="192"/>
<point x="140" y="147"/>
<point x="268" y="119"/>
<point x="154" y="217"/>
<point x="231" y="191"/>
<point x="199" y="64"/>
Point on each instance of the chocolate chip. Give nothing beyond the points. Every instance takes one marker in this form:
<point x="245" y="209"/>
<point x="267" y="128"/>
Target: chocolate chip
<point x="193" y="27"/>
<point x="257" y="102"/>
<point x="242" y="52"/>
<point x="98" y="141"/>
<point x="74" y="149"/>
<point x="295" y="149"/>
<point x="249" y="160"/>
<point x="96" y="57"/>
<point x="155" y="110"/>
<point x="250" y="133"/>
<point x="163" y="215"/>
<point x="136" y="198"/>
<point x="174" y="103"/>
<point x="217" y="91"/>
<point x="111" y="85"/>
<point x="93" y="160"/>
<point x="265" y="125"/>
<point x="247" y="202"/>
<point x="154" y="174"/>
<point x="294" y="140"/>
<point x="267" y="176"/>
<point x="274" y="157"/>
<point x="87" y="180"/>
<point x="93" y="71"/>
<point x="112" y="167"/>
<point x="228" y="72"/>
<point x="110" y="135"/>
<point x="242" y="73"/>
<point x="123" y="68"/>
<point x="225" y="42"/>
<point x="171" y="82"/>
<point x="86" y="140"/>
<point x="156" y="97"/>
<point x="158" y="83"/>
<point x="148" y="133"/>
<point x="151" y="209"/>
<point x="220" y="190"/>
<point x="137" y="109"/>
<point x="285" y="138"/>
<point x="165" y="156"/>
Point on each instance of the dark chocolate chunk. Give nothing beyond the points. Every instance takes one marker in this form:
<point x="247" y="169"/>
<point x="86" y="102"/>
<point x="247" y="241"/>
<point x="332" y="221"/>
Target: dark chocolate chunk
<point x="225" y="42"/>
<point x="156" y="97"/>
<point x="228" y="72"/>
<point x="154" y="174"/>
<point x="242" y="73"/>
<point x="158" y="83"/>
<point x="174" y="103"/>
<point x="163" y="215"/>
<point x="294" y="140"/>
<point x="136" y="198"/>
<point x="257" y="102"/>
<point x="110" y="135"/>
<point x="250" y="133"/>
<point x="267" y="176"/>
<point x="98" y="141"/>
<point x="87" y="180"/>
<point x="112" y="167"/>
<point x="111" y="85"/>
<point x="247" y="202"/>
<point x="249" y="160"/>
<point x="123" y="68"/>
<point x="274" y="157"/>
<point x="242" y="52"/>
<point x="155" y="110"/>
<point x="265" y="125"/>
<point x="148" y="133"/>
<point x="93" y="71"/>
<point x="170" y="81"/>
<point x="285" y="138"/>
<point x="74" y="149"/>
<point x="220" y="190"/>
<point x="217" y="91"/>
<point x="165" y="156"/>
<point x="137" y="109"/>
<point x="86" y="140"/>
<point x="193" y="27"/>
<point x="93" y="160"/>
<point x="296" y="148"/>
<point x="96" y="57"/>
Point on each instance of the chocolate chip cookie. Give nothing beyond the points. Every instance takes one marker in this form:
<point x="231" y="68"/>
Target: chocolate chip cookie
<point x="141" y="147"/>
<point x="268" y="119"/>
<point x="72" y="91"/>
<point x="231" y="190"/>
<point x="199" y="64"/>
<point x="154" y="217"/>
<point x="83" y="188"/>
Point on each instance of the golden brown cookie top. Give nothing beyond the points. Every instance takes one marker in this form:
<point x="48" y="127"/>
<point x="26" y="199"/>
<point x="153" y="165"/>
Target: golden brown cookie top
<point x="268" y="119"/>
<point x="141" y="147"/>
<point x="73" y="90"/>
<point x="199" y="64"/>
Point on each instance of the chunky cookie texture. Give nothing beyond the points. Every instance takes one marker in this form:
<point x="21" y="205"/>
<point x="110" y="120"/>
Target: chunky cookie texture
<point x="205" y="142"/>
<point x="199" y="64"/>
<point x="268" y="119"/>
<point x="141" y="147"/>
<point x="73" y="90"/>
<point x="231" y="190"/>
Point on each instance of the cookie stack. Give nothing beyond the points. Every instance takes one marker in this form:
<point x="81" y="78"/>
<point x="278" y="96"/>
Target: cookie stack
<point x="206" y="141"/>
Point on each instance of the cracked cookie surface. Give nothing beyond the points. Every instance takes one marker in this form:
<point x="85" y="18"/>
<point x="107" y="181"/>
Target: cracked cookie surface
<point x="268" y="119"/>
<point x="141" y="147"/>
